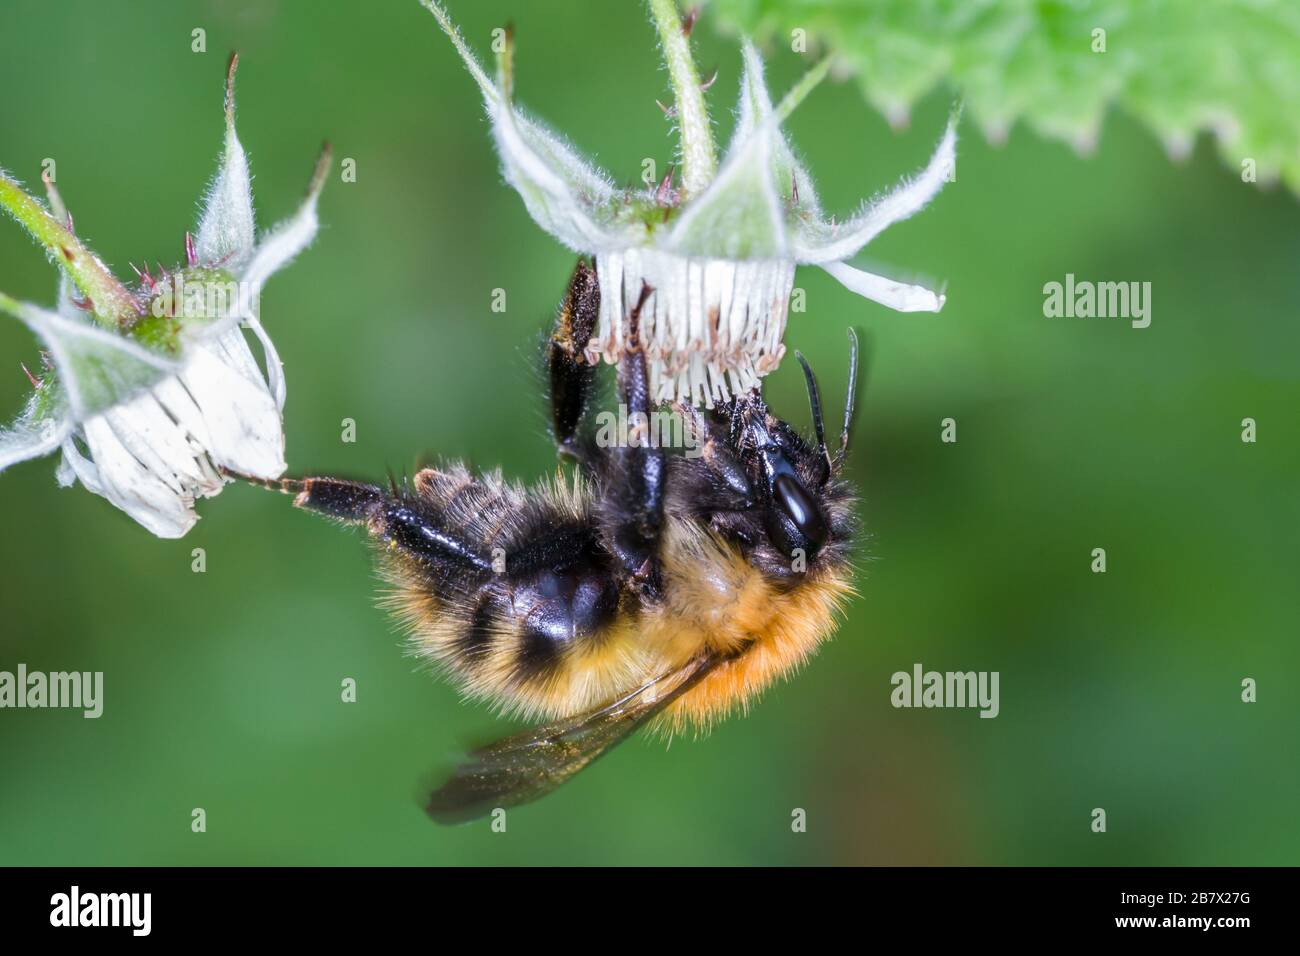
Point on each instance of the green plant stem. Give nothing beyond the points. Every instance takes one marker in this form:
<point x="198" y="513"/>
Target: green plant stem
<point x="699" y="155"/>
<point x="110" y="301"/>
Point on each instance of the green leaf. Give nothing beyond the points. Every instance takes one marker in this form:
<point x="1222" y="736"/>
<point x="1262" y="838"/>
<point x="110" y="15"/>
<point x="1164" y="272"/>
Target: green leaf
<point x="1231" y="67"/>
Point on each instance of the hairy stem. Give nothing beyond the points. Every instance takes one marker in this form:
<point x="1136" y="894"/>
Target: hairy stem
<point x="699" y="155"/>
<point x="110" y="301"/>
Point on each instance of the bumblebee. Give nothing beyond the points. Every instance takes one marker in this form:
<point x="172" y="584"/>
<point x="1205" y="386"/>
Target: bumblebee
<point x="654" y="587"/>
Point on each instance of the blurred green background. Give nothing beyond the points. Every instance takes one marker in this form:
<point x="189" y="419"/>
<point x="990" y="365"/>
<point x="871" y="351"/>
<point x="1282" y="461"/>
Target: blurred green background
<point x="1119" y="691"/>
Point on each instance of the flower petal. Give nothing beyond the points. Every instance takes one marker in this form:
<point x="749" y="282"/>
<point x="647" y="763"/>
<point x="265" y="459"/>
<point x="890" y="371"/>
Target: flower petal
<point x="565" y="195"/>
<point x="163" y="445"/>
<point x="121" y="478"/>
<point x="74" y="467"/>
<point x="240" y="416"/>
<point x="225" y="232"/>
<point x="820" y="243"/>
<point x="899" y="296"/>
<point x="274" y="367"/>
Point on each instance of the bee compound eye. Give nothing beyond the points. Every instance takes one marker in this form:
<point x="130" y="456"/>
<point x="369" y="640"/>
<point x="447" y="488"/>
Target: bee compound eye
<point x="802" y="512"/>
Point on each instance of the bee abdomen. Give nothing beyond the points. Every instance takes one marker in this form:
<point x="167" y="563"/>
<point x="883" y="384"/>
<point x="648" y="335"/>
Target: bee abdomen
<point x="567" y="613"/>
<point x="531" y="612"/>
<point x="527" y="630"/>
<point x="536" y="642"/>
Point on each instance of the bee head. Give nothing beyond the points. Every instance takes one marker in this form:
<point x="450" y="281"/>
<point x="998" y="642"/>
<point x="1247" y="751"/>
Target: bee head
<point x="788" y="475"/>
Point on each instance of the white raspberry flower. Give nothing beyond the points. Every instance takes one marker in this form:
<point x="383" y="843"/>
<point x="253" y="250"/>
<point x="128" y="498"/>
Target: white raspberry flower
<point x="152" y="392"/>
<point x="719" y="253"/>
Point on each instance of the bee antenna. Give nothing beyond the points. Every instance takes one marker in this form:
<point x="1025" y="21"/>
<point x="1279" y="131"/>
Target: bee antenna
<point x="850" y="397"/>
<point x="815" y="402"/>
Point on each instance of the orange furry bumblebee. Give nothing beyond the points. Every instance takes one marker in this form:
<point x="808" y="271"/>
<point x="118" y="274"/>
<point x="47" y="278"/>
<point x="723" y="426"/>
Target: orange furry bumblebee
<point x="653" y="586"/>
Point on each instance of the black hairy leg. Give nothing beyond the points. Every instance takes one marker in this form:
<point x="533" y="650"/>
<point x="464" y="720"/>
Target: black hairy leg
<point x="398" y="519"/>
<point x="571" y="377"/>
<point x="636" y="476"/>
<point x="402" y="521"/>
<point x="526" y="573"/>
<point x="633" y="479"/>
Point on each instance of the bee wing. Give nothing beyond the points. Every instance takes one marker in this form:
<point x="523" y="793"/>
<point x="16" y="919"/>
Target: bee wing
<point x="523" y="767"/>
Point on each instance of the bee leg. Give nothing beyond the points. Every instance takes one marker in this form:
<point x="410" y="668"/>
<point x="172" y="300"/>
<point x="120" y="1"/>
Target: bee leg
<point x="345" y="500"/>
<point x="338" y="498"/>
<point x="405" y="524"/>
<point x="710" y="477"/>
<point x="571" y="375"/>
<point x="643" y="467"/>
